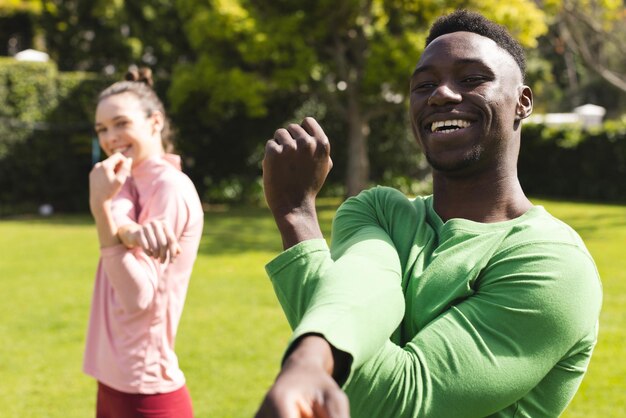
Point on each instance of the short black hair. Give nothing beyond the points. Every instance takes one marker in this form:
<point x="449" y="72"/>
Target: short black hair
<point x="467" y="21"/>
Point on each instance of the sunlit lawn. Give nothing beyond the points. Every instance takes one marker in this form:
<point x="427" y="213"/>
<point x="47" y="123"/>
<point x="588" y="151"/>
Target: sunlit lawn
<point x="232" y="333"/>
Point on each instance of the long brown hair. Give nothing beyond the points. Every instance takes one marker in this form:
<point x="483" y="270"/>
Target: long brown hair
<point x="138" y="81"/>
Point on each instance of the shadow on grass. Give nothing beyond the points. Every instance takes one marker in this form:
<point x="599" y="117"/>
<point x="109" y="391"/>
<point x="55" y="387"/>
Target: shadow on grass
<point x="591" y="224"/>
<point x="588" y="218"/>
<point x="240" y="229"/>
<point x="587" y="232"/>
<point x="61" y="219"/>
<point x="227" y="230"/>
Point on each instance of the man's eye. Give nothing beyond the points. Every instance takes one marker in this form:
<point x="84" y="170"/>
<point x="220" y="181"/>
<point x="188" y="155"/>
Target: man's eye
<point x="474" y="79"/>
<point x="424" y="85"/>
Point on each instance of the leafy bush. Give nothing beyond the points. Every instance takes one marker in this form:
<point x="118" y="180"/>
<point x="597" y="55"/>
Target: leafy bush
<point x="47" y="140"/>
<point x="575" y="163"/>
<point x="236" y="189"/>
<point x="26" y="95"/>
<point x="45" y="136"/>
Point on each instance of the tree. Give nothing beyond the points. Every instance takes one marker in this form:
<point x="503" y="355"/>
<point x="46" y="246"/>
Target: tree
<point x="17" y="25"/>
<point x="105" y="35"/>
<point x="581" y="59"/>
<point x="353" y="55"/>
<point x="595" y="31"/>
<point x="13" y="6"/>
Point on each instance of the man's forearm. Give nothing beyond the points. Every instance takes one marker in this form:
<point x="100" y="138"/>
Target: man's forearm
<point x="298" y="225"/>
<point x="315" y="349"/>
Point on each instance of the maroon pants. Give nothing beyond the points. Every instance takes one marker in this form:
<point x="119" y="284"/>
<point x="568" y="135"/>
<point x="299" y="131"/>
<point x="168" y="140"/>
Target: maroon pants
<point x="114" y="404"/>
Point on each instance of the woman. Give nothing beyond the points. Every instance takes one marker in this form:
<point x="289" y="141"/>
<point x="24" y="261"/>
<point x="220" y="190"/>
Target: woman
<point x="149" y="221"/>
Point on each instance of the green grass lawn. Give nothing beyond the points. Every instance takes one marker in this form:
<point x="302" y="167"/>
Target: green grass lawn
<point x="232" y="332"/>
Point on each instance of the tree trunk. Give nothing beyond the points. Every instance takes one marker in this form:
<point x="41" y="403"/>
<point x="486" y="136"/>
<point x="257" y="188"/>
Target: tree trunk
<point x="358" y="168"/>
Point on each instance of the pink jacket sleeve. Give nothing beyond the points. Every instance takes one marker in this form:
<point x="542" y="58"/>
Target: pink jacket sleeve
<point x="134" y="275"/>
<point x="123" y="207"/>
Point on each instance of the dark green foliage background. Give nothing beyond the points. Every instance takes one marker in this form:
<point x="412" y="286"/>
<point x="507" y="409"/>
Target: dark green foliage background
<point x="46" y="135"/>
<point x="573" y="163"/>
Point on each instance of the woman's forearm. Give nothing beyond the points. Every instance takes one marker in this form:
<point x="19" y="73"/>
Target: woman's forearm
<point x="105" y="225"/>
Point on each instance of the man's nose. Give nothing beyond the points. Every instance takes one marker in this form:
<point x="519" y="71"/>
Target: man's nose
<point x="442" y="95"/>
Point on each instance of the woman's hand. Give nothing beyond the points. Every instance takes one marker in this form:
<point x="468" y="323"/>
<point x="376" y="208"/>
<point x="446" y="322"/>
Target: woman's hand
<point x="106" y="179"/>
<point x="156" y="238"/>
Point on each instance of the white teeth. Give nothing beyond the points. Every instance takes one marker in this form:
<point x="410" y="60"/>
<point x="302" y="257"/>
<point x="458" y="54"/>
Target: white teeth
<point x="454" y="124"/>
<point x="120" y="150"/>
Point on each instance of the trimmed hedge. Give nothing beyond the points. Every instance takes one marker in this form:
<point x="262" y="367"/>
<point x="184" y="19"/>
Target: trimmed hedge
<point x="46" y="138"/>
<point x="574" y="163"/>
<point x="46" y="133"/>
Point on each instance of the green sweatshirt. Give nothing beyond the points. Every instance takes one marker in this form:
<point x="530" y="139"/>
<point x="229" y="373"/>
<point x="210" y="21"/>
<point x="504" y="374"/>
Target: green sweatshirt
<point x="455" y="319"/>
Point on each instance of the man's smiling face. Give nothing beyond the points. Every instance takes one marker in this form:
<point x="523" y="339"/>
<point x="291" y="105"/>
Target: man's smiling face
<point x="465" y="93"/>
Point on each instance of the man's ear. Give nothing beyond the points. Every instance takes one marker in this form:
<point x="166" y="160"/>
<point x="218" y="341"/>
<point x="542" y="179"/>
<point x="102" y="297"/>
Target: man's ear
<point x="524" y="103"/>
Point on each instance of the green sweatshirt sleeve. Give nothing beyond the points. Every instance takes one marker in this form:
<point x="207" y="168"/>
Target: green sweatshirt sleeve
<point x="497" y="353"/>
<point x="353" y="298"/>
<point x="518" y="345"/>
<point x="295" y="273"/>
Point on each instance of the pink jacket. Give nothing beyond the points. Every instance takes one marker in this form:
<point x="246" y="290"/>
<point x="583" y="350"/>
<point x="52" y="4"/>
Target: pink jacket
<point x="137" y="301"/>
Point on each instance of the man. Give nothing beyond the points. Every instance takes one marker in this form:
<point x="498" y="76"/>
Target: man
<point x="471" y="302"/>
